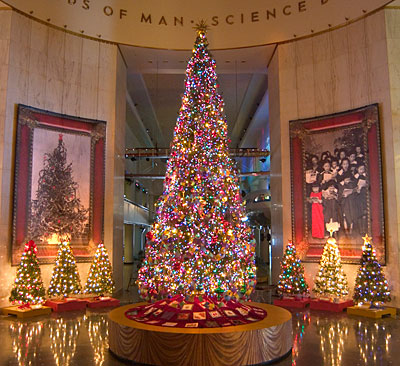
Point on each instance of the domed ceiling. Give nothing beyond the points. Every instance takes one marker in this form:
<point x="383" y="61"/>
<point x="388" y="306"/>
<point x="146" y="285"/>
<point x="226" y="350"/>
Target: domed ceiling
<point x="167" y="24"/>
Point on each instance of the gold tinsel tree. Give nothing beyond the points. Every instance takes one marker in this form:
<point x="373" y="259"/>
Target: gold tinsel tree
<point x="331" y="280"/>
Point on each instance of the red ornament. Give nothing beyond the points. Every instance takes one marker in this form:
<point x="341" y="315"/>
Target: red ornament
<point x="150" y="236"/>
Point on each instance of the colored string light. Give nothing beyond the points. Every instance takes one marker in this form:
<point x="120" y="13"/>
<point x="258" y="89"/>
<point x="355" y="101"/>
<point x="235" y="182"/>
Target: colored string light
<point x="199" y="243"/>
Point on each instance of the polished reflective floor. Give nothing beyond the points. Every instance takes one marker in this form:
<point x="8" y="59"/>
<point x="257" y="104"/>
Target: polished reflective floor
<point x="81" y="338"/>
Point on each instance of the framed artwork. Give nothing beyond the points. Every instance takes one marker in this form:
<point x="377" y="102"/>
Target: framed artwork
<point x="58" y="184"/>
<point x="336" y="176"/>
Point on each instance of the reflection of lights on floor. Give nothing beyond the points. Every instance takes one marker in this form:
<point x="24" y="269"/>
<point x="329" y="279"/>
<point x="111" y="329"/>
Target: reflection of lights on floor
<point x="302" y="321"/>
<point x="97" y="326"/>
<point x="343" y="341"/>
<point x="369" y="339"/>
<point x="26" y="340"/>
<point x="63" y="335"/>
<point x="332" y="338"/>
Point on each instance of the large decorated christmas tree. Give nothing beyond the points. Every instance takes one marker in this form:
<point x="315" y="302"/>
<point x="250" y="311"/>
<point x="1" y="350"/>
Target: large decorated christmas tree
<point x="65" y="278"/>
<point x="371" y="286"/>
<point x="100" y="279"/>
<point x="57" y="210"/>
<point x="28" y="286"/>
<point x="200" y="243"/>
<point x="291" y="279"/>
<point x="331" y="280"/>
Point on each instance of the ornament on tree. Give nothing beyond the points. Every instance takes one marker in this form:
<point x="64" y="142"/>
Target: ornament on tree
<point x="291" y="279"/>
<point x="65" y="277"/>
<point x="199" y="235"/>
<point x="100" y="279"/>
<point x="57" y="210"/>
<point x="28" y="285"/>
<point x="331" y="280"/>
<point x="371" y="286"/>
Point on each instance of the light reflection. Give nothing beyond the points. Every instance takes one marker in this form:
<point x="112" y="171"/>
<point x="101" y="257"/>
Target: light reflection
<point x="97" y="327"/>
<point x="333" y="335"/>
<point x="300" y="323"/>
<point x="373" y="343"/>
<point x="63" y="337"/>
<point x="26" y="340"/>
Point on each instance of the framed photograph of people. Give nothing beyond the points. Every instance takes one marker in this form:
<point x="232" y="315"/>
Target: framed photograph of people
<point x="58" y="184"/>
<point x="336" y="176"/>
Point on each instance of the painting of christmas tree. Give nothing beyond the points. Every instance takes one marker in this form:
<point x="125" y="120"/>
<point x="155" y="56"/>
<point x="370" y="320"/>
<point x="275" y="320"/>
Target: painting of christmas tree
<point x="200" y="243"/>
<point x="57" y="211"/>
<point x="59" y="184"/>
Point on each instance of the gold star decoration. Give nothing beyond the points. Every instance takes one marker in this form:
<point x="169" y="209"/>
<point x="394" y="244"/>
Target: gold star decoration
<point x="367" y="238"/>
<point x="201" y="27"/>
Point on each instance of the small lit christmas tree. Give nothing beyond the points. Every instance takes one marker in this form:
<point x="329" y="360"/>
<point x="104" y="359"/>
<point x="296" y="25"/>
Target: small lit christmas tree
<point x="331" y="280"/>
<point x="100" y="279"/>
<point x="65" y="278"/>
<point x="291" y="279"/>
<point x="28" y="286"/>
<point x="200" y="243"/>
<point x="371" y="286"/>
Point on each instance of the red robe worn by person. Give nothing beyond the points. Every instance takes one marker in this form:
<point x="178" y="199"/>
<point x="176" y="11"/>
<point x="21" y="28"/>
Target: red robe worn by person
<point x="317" y="216"/>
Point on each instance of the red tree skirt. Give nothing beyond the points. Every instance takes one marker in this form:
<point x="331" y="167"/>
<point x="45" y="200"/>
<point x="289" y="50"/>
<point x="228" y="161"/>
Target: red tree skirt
<point x="66" y="305"/>
<point x="202" y="312"/>
<point x="292" y="303"/>
<point x="330" y="306"/>
<point x="102" y="302"/>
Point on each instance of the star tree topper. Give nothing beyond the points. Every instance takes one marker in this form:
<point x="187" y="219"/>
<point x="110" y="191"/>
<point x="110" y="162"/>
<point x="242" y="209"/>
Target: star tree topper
<point x="201" y="27"/>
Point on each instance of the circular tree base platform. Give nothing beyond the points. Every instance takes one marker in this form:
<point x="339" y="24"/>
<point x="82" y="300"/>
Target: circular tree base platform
<point x="257" y="343"/>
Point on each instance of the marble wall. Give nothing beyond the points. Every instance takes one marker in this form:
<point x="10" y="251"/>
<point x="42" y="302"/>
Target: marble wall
<point x="332" y="72"/>
<point x="50" y="69"/>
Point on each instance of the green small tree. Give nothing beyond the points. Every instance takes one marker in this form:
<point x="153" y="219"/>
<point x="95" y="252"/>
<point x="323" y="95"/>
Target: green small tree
<point x="371" y="286"/>
<point x="65" y="278"/>
<point x="291" y="279"/>
<point x="28" y="285"/>
<point x="100" y="279"/>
